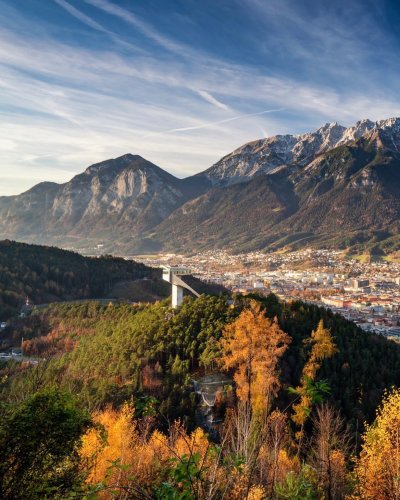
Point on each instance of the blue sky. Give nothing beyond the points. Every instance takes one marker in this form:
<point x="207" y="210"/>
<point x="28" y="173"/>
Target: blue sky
<point x="185" y="82"/>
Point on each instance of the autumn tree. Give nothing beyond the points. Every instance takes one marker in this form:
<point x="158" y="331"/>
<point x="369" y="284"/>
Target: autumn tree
<point x="309" y="391"/>
<point x="110" y="440"/>
<point x="329" y="450"/>
<point x="123" y="458"/>
<point x="252" y="345"/>
<point x="378" y="468"/>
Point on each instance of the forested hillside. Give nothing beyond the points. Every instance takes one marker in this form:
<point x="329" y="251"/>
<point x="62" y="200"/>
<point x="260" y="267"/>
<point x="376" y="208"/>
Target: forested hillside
<point x="47" y="274"/>
<point x="303" y="385"/>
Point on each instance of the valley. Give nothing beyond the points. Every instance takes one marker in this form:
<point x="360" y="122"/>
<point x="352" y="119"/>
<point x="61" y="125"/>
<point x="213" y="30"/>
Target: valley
<point x="366" y="291"/>
<point x="199" y="250"/>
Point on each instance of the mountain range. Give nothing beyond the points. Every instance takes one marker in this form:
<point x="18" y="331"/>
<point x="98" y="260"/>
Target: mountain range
<point x="336" y="187"/>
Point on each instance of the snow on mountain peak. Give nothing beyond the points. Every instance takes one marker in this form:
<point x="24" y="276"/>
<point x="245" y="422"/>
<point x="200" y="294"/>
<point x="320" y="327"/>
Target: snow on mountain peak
<point x="273" y="153"/>
<point x="390" y="123"/>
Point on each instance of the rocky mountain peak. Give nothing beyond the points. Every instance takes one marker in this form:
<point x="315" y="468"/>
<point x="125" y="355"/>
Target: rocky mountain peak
<point x="114" y="163"/>
<point x="266" y="156"/>
<point x="366" y="123"/>
<point x="324" y="138"/>
<point x="390" y="123"/>
<point x="385" y="134"/>
<point x="329" y="129"/>
<point x="129" y="168"/>
<point x="358" y="130"/>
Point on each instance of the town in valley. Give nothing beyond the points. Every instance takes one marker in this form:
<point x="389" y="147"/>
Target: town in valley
<point x="364" y="290"/>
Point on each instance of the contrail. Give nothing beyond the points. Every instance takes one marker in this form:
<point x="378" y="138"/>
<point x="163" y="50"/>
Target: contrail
<point x="212" y="124"/>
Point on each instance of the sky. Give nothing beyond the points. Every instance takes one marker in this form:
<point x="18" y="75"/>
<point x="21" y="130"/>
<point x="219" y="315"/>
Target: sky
<point x="183" y="82"/>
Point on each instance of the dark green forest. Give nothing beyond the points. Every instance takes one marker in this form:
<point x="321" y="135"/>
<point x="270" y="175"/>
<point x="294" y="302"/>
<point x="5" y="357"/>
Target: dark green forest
<point x="107" y="356"/>
<point x="47" y="274"/>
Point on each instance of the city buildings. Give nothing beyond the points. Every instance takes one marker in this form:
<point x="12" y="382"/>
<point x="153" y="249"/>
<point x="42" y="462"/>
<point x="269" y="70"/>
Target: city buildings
<point x="367" y="293"/>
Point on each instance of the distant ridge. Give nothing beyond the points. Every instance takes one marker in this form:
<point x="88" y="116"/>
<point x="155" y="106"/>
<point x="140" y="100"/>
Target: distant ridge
<point x="335" y="187"/>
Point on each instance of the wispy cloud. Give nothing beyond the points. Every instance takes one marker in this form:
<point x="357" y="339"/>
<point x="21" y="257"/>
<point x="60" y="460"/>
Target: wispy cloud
<point x="133" y="20"/>
<point x="64" y="105"/>
<point x="92" y="23"/>
<point x="81" y="16"/>
<point x="212" y="100"/>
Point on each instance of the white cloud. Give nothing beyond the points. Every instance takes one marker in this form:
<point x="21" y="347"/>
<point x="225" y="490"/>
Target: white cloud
<point x="214" y="124"/>
<point x="148" y="30"/>
<point x="64" y="107"/>
<point x="212" y="100"/>
<point x="81" y="16"/>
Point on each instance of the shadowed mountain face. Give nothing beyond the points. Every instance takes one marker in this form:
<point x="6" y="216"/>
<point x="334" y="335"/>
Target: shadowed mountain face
<point x="336" y="187"/>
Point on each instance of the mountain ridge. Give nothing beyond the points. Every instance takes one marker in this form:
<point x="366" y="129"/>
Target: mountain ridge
<point x="309" y="185"/>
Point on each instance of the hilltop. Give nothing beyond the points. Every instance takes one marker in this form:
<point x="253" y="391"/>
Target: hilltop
<point x="133" y="368"/>
<point x="49" y="274"/>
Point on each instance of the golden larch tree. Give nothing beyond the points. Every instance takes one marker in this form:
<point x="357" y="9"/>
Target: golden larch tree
<point x="322" y="347"/>
<point x="252" y="345"/>
<point x="378" y="468"/>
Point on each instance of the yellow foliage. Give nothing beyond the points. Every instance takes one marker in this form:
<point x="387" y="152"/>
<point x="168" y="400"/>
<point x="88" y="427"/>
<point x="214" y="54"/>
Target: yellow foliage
<point x="257" y="493"/>
<point x="116" y="437"/>
<point x="322" y="347"/>
<point x="238" y="488"/>
<point x="300" y="409"/>
<point x="378" y="468"/>
<point x="158" y="444"/>
<point x="197" y="442"/>
<point x="253" y="345"/>
<point x="120" y="435"/>
<point x="286" y="464"/>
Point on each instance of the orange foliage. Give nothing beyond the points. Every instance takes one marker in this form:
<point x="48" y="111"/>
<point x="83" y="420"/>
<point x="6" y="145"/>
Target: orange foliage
<point x="253" y="345"/>
<point x="48" y="345"/>
<point x="378" y="468"/>
<point x="118" y="437"/>
<point x="145" y="459"/>
<point x="322" y="347"/>
<point x="99" y="450"/>
<point x="182" y="444"/>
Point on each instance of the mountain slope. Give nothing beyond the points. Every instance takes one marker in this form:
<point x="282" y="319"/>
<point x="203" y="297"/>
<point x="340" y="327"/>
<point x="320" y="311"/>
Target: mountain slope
<point x="345" y="196"/>
<point x="334" y="187"/>
<point x="354" y="198"/>
<point x="228" y="216"/>
<point x="126" y="195"/>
